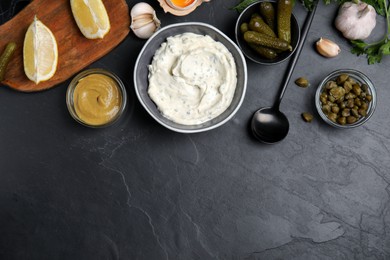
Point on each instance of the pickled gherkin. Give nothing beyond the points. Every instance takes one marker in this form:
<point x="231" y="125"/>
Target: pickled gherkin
<point x="266" y="40"/>
<point x="264" y="52"/>
<point x="5" y="58"/>
<point x="257" y="24"/>
<point x="267" y="11"/>
<point x="284" y="12"/>
<point x="244" y="28"/>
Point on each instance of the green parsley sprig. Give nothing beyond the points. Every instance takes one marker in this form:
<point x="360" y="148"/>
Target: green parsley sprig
<point x="243" y="4"/>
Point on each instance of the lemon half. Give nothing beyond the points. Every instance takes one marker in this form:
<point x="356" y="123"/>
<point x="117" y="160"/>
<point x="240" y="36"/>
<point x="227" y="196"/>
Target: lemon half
<point x="40" y="52"/>
<point x="91" y="18"/>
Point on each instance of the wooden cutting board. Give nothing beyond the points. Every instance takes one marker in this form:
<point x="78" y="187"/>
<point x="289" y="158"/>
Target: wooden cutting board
<point x="75" y="52"/>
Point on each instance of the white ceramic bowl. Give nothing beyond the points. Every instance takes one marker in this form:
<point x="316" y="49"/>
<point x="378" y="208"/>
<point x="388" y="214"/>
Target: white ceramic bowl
<point x="145" y="57"/>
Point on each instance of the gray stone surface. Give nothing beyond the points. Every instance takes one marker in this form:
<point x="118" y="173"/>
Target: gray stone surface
<point x="139" y="191"/>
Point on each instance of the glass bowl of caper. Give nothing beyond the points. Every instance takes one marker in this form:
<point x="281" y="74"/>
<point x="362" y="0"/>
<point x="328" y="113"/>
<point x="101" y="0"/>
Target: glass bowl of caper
<point x="346" y="98"/>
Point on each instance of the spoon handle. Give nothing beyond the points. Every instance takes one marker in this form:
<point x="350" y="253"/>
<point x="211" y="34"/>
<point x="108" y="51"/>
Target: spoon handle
<point x="293" y="62"/>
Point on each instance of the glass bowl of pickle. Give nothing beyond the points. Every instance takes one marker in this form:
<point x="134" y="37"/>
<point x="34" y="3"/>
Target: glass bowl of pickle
<point x="346" y="98"/>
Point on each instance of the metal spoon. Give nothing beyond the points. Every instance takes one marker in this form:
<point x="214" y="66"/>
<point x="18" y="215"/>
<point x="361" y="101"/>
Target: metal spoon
<point x="269" y="125"/>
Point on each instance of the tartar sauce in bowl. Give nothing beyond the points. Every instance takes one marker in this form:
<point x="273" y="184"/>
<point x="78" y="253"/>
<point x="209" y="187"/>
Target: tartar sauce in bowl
<point x="176" y="77"/>
<point x="192" y="78"/>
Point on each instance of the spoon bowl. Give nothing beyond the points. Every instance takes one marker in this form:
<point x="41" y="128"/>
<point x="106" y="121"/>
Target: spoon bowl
<point x="269" y="125"/>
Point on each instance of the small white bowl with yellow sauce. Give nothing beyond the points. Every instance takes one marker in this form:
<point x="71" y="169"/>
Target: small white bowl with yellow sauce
<point x="96" y="98"/>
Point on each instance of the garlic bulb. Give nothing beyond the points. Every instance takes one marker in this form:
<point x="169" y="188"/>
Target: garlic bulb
<point x="356" y="21"/>
<point x="144" y="21"/>
<point x="327" y="48"/>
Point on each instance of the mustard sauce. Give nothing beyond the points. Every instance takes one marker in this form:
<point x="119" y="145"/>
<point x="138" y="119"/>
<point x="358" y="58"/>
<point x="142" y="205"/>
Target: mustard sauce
<point x="97" y="99"/>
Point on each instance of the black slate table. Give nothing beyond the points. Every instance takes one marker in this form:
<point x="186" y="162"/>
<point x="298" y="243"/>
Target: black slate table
<point x="136" y="190"/>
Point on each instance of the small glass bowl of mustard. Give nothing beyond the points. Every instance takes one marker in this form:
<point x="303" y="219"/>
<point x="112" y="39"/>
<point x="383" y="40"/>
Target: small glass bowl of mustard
<point x="96" y="98"/>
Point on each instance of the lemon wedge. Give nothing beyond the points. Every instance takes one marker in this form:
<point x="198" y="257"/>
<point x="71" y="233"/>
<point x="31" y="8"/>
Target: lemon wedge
<point x="40" y="52"/>
<point x="91" y="18"/>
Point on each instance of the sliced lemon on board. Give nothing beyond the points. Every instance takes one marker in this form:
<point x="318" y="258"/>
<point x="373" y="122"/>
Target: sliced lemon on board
<point x="91" y="18"/>
<point x="40" y="52"/>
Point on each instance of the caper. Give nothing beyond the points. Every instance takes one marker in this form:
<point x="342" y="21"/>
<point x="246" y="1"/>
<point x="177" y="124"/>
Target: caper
<point x="335" y="109"/>
<point x="369" y="98"/>
<point x="332" y="117"/>
<point x="302" y="82"/>
<point x="351" y="80"/>
<point x="350" y="96"/>
<point x="355" y="112"/>
<point x="337" y="92"/>
<point x="351" y="119"/>
<point x="364" y="87"/>
<point x="342" y="78"/>
<point x="358" y="102"/>
<point x="307" y="117"/>
<point x="363" y="95"/>
<point x="362" y="112"/>
<point x="364" y="106"/>
<point x="324" y="98"/>
<point x="331" y="98"/>
<point x="342" y="105"/>
<point x="340" y="100"/>
<point x="350" y="103"/>
<point x="342" y="120"/>
<point x="326" y="109"/>
<point x="356" y="89"/>
<point x="330" y="84"/>
<point x="356" y="84"/>
<point x="346" y="112"/>
<point x="347" y="86"/>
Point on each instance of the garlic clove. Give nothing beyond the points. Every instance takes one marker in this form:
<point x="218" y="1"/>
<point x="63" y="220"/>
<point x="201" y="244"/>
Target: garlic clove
<point x="141" y="8"/>
<point x="145" y="31"/>
<point x="144" y="21"/>
<point x="327" y="48"/>
<point x="141" y="21"/>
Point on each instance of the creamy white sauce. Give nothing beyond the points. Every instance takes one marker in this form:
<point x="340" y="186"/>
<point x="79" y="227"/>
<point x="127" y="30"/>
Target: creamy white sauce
<point x="192" y="78"/>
